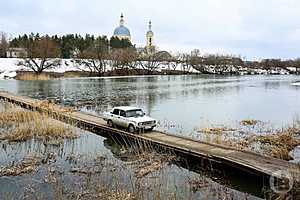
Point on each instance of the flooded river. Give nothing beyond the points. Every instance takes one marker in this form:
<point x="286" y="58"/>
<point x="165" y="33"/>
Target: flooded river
<point x="182" y="105"/>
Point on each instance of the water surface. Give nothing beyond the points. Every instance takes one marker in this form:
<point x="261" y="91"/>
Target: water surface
<point x="182" y="104"/>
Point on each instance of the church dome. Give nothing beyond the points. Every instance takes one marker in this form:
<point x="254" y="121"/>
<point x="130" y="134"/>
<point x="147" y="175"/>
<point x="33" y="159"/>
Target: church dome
<point x="122" y="31"/>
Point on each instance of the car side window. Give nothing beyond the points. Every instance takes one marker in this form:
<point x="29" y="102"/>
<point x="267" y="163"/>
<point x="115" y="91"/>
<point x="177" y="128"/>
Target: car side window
<point x="116" y="112"/>
<point x="122" y="113"/>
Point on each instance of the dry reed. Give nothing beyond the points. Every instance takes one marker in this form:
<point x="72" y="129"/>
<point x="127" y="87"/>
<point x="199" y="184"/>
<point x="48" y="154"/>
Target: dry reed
<point x="31" y="76"/>
<point x="28" y="125"/>
<point x="258" y="137"/>
<point x="18" y="116"/>
<point x="248" y="122"/>
<point x="48" y="106"/>
<point x="148" y="162"/>
<point x="217" y="131"/>
<point x="26" y="165"/>
<point x="280" y="143"/>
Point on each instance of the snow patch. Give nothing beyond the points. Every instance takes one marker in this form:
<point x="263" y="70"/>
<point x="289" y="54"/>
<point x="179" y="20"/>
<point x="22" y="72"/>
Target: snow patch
<point x="296" y="84"/>
<point x="295" y="154"/>
<point x="8" y="74"/>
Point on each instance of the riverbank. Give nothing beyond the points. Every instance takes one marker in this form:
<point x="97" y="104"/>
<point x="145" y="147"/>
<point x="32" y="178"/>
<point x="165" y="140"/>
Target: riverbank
<point x="10" y="68"/>
<point x="29" y="75"/>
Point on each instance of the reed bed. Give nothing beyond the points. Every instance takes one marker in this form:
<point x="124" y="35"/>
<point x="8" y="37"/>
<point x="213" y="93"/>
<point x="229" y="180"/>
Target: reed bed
<point x="26" y="165"/>
<point x="249" y="122"/>
<point x="20" y="125"/>
<point x="18" y="116"/>
<point x="51" y="107"/>
<point x="148" y="162"/>
<point x="29" y="76"/>
<point x="278" y="144"/>
<point x="216" y="130"/>
<point x="43" y="129"/>
<point x="257" y="136"/>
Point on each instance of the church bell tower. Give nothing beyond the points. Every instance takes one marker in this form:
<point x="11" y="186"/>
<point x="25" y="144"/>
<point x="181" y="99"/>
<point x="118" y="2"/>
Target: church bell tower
<point x="149" y="37"/>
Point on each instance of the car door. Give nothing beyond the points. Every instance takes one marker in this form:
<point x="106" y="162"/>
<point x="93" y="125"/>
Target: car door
<point x="116" y="116"/>
<point x="122" y="119"/>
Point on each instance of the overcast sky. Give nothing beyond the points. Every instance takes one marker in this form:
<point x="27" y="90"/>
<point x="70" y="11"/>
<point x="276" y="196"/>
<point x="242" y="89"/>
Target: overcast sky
<point x="250" y="28"/>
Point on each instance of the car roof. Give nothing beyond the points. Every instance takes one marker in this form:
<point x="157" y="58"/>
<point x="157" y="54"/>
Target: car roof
<point x="126" y="108"/>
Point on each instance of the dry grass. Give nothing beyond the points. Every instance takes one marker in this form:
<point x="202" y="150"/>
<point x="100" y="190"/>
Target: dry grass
<point x="26" y="125"/>
<point x="26" y="165"/>
<point x="102" y="193"/>
<point x="198" y="183"/>
<point x="217" y="131"/>
<point x="51" y="107"/>
<point x="148" y="162"/>
<point x="32" y="76"/>
<point x="43" y="129"/>
<point x="248" y="122"/>
<point x="18" y="116"/>
<point x="257" y="136"/>
<point x="280" y="143"/>
<point x="118" y="195"/>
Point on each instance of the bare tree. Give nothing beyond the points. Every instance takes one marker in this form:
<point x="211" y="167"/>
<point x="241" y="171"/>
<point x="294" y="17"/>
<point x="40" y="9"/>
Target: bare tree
<point x="237" y="63"/>
<point x="186" y="61"/>
<point x="42" y="54"/>
<point x="173" y="64"/>
<point x="297" y="65"/>
<point x="197" y="63"/>
<point x="124" y="58"/>
<point x="217" y="64"/>
<point x="95" y="58"/>
<point x="149" y="62"/>
<point x="3" y="44"/>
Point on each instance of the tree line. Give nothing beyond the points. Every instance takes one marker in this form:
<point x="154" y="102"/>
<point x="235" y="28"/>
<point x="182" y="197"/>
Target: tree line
<point x="95" y="54"/>
<point x="69" y="45"/>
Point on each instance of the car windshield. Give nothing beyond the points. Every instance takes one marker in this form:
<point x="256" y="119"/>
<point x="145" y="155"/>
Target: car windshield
<point x="134" y="113"/>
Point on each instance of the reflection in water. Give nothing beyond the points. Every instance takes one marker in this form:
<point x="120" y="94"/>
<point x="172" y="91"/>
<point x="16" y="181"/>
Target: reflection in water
<point x="86" y="153"/>
<point x="225" y="176"/>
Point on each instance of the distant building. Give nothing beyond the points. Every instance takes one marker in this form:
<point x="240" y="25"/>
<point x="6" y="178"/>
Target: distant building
<point x="150" y="48"/>
<point x="16" y="53"/>
<point x="122" y="32"/>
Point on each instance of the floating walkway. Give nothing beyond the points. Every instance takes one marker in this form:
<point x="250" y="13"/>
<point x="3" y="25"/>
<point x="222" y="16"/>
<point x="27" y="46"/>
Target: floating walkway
<point x="246" y="161"/>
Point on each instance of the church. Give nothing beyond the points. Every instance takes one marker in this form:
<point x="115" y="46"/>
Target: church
<point x="122" y="32"/>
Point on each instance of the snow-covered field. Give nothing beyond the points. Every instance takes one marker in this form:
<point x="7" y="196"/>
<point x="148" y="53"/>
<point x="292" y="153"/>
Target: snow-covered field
<point x="9" y="66"/>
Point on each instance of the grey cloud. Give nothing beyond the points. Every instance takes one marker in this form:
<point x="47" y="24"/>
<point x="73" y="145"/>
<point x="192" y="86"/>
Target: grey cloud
<point x="252" y="28"/>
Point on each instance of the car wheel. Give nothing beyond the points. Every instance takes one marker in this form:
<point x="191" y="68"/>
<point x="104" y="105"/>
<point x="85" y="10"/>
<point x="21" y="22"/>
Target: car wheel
<point x="131" y="128"/>
<point x="150" y="129"/>
<point x="110" y="123"/>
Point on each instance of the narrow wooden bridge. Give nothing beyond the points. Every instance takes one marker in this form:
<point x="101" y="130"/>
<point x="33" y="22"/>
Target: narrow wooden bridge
<point x="246" y="161"/>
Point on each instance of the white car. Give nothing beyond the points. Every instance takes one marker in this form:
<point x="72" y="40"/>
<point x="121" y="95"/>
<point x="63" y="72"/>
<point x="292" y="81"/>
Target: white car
<point x="131" y="118"/>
